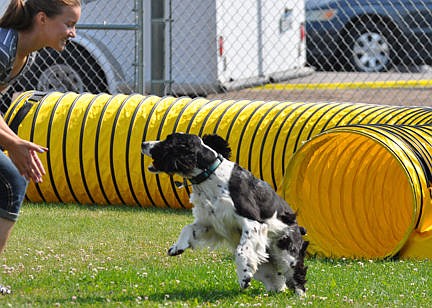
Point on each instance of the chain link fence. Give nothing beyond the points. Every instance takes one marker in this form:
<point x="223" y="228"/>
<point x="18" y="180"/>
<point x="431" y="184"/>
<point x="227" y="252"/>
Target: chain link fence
<point x="291" y="50"/>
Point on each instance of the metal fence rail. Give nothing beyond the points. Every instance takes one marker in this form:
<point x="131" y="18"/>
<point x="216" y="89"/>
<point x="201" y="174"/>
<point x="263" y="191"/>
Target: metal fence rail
<point x="318" y="50"/>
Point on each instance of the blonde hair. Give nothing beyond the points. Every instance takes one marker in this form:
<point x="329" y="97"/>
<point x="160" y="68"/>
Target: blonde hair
<point x="19" y="14"/>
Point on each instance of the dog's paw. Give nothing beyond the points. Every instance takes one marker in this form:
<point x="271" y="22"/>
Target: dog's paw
<point x="174" y="251"/>
<point x="245" y="282"/>
<point x="245" y="279"/>
<point x="300" y="292"/>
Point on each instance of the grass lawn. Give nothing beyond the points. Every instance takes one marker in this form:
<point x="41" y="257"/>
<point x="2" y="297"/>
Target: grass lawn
<point x="93" y="256"/>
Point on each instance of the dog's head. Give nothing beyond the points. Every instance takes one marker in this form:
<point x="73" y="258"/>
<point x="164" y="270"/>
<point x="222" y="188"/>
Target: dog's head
<point x="184" y="154"/>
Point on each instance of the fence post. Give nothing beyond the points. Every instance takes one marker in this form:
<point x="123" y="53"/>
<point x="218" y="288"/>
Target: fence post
<point x="139" y="46"/>
<point x="157" y="47"/>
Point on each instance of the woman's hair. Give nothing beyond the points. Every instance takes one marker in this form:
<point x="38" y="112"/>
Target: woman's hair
<point x="19" y="14"/>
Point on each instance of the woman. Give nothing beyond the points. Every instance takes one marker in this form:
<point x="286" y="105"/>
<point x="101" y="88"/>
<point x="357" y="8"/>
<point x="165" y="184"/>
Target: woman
<point x="25" y="27"/>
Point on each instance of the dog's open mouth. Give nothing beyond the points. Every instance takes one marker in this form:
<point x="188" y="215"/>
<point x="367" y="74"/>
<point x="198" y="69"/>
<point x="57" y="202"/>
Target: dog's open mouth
<point x="152" y="168"/>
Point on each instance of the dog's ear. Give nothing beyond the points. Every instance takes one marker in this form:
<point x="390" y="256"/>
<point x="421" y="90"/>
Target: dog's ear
<point x="218" y="144"/>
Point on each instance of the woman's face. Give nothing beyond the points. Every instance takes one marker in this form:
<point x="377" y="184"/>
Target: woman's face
<point x="60" y="28"/>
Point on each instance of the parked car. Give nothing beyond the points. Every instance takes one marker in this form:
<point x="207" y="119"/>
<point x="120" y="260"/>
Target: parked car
<point x="368" y="35"/>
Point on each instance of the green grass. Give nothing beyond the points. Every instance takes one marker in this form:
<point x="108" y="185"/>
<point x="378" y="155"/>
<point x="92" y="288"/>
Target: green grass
<point x="71" y="255"/>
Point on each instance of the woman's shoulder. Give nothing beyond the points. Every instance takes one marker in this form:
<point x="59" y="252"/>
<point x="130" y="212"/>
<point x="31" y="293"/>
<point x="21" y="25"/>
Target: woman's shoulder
<point x="8" y="43"/>
<point x="8" y="36"/>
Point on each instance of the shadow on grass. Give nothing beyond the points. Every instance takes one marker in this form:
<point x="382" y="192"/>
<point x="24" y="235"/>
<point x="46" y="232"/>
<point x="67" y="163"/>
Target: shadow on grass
<point x="186" y="296"/>
<point x="201" y="295"/>
<point x="108" y="208"/>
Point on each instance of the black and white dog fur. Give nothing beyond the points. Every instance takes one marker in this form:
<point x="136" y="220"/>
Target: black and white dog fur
<point x="231" y="205"/>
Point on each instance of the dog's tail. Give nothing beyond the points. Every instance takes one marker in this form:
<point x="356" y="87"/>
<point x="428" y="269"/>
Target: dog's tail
<point x="288" y="218"/>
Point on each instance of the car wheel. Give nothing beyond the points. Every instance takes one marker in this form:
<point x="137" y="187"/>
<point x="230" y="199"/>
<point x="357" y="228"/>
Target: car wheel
<point x="60" y="77"/>
<point x="74" y="69"/>
<point x="370" y="49"/>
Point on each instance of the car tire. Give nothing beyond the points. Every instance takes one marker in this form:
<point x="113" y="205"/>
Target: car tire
<point x="74" y="69"/>
<point x="370" y="48"/>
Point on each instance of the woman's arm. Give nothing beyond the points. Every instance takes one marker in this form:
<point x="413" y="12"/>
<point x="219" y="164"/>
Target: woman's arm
<point x="22" y="153"/>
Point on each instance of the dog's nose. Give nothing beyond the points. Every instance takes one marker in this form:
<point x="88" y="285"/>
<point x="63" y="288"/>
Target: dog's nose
<point x="146" y="147"/>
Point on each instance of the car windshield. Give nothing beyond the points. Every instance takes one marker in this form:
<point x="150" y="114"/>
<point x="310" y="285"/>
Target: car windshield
<point x="317" y="3"/>
<point x="86" y="1"/>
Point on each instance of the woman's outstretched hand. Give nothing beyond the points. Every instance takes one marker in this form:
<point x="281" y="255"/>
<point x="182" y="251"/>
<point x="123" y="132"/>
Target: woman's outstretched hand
<point x="24" y="155"/>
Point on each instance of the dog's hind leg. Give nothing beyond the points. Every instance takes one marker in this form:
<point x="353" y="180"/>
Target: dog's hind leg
<point x="289" y="260"/>
<point x="251" y="251"/>
<point x="298" y="280"/>
<point x="191" y="236"/>
<point x="268" y="274"/>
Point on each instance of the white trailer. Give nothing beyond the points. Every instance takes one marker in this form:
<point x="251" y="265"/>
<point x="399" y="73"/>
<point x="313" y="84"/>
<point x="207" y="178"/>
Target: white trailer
<point x="182" y="47"/>
<point x="234" y="43"/>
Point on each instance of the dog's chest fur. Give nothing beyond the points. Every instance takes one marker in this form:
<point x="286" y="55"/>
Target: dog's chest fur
<point x="213" y="204"/>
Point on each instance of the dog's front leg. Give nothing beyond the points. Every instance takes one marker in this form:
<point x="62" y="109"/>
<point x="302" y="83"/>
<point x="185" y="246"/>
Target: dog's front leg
<point x="189" y="238"/>
<point x="251" y="251"/>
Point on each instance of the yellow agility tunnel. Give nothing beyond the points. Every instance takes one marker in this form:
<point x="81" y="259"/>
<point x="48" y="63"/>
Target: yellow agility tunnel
<point x="365" y="191"/>
<point x="95" y="143"/>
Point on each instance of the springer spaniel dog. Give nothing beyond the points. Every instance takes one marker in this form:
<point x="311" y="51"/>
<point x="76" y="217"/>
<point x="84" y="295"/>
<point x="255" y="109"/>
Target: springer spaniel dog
<point x="231" y="205"/>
